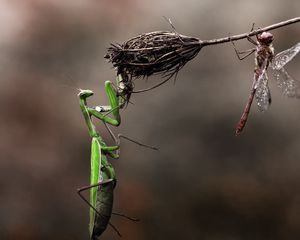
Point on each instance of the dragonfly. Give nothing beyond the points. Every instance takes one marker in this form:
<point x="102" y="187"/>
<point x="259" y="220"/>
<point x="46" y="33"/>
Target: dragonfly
<point x="265" y="57"/>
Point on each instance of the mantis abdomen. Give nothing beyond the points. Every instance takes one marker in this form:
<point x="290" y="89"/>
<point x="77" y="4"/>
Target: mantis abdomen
<point x="104" y="205"/>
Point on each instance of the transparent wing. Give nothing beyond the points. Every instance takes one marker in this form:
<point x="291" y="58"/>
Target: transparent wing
<point x="285" y="56"/>
<point x="262" y="94"/>
<point x="288" y="86"/>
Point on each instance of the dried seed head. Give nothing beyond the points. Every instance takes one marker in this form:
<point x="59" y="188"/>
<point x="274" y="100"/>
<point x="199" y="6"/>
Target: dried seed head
<point x="160" y="52"/>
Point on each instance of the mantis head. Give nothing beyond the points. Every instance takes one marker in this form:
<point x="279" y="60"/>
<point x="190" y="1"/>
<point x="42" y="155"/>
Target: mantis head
<point x="85" y="93"/>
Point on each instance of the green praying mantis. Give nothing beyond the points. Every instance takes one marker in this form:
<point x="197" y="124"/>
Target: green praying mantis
<point x="103" y="177"/>
<point x="102" y="173"/>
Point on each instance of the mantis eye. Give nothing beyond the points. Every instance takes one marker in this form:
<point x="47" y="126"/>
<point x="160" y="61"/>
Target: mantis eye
<point x="99" y="109"/>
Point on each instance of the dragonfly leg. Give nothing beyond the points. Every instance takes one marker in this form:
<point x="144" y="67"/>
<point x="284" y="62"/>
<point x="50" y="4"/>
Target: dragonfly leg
<point x="249" y="38"/>
<point x="252" y="28"/>
<point x="239" y="53"/>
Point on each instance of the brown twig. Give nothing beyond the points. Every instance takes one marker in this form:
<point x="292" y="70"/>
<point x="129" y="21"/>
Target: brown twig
<point x="252" y="33"/>
<point x="165" y="53"/>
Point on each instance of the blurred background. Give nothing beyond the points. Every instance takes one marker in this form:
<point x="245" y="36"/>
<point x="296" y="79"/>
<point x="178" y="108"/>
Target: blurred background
<point x="203" y="183"/>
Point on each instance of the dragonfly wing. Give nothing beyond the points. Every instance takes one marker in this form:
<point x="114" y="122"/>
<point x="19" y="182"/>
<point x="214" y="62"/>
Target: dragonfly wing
<point x="285" y="56"/>
<point x="289" y="86"/>
<point x="262" y="94"/>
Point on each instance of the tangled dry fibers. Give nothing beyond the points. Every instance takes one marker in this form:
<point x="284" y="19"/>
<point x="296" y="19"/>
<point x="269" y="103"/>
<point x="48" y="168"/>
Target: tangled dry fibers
<point x="160" y="52"/>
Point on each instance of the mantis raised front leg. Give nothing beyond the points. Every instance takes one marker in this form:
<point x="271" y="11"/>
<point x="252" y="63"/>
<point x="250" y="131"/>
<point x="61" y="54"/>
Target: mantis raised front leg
<point x="100" y="112"/>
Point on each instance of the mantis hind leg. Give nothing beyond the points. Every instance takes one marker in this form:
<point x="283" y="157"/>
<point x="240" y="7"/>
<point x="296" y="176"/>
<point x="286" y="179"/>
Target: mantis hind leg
<point x="84" y="188"/>
<point x="125" y="216"/>
<point x="79" y="190"/>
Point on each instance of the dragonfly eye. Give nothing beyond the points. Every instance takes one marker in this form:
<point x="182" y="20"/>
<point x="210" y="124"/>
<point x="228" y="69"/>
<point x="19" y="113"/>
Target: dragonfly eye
<point x="265" y="38"/>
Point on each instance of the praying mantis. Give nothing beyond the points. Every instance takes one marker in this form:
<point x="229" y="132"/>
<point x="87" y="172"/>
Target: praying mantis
<point x="103" y="177"/>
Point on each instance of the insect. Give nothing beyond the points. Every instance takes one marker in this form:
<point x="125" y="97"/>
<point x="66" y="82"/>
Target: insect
<point x="103" y="178"/>
<point x="264" y="57"/>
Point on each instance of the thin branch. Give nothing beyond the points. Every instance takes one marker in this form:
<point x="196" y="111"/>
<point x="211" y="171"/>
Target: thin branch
<point x="252" y="33"/>
<point x="165" y="53"/>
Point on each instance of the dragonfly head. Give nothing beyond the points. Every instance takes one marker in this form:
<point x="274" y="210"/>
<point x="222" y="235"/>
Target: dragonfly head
<point x="265" y="38"/>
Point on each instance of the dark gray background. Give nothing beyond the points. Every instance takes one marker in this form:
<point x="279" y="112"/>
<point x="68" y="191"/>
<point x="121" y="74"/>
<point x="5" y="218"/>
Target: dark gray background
<point x="203" y="183"/>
